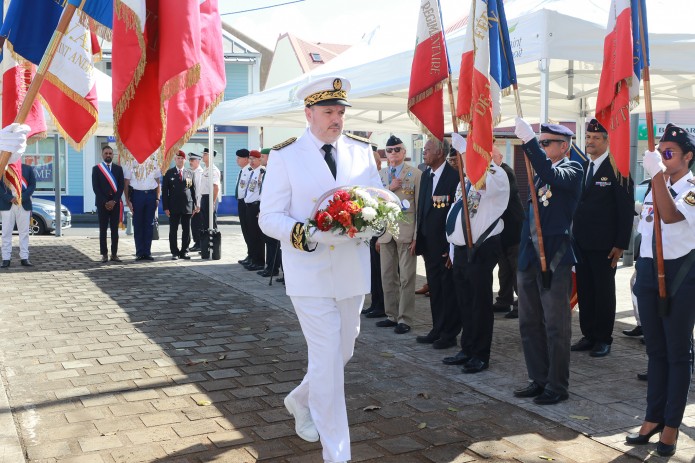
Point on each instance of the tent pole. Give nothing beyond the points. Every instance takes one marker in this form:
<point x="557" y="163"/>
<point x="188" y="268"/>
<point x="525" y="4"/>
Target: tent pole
<point x="544" y="68"/>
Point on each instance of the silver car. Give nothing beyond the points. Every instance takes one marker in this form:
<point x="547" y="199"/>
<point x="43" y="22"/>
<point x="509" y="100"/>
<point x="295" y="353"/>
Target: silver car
<point x="43" y="217"/>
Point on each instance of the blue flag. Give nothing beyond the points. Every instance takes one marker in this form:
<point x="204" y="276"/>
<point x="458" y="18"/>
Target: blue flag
<point x="100" y="11"/>
<point x="577" y="155"/>
<point x="638" y="8"/>
<point x="29" y="25"/>
<point x="501" y="59"/>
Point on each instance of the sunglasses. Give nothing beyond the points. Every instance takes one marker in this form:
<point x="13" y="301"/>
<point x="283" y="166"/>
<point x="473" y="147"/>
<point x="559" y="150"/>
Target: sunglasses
<point x="397" y="149"/>
<point x="667" y="153"/>
<point x="547" y="142"/>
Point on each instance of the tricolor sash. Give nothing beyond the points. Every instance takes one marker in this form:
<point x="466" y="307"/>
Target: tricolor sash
<point x="25" y="185"/>
<point x="109" y="176"/>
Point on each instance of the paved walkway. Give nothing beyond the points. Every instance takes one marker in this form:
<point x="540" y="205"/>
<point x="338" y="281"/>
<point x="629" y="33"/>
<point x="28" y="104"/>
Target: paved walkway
<point x="189" y="362"/>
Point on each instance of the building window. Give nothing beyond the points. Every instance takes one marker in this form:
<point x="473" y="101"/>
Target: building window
<point x="41" y="156"/>
<point x="316" y="57"/>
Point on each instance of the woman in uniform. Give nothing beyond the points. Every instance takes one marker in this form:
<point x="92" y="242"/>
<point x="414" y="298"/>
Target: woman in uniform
<point x="668" y="331"/>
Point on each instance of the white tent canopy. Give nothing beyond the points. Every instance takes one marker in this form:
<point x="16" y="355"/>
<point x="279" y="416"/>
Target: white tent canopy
<point x="558" y="48"/>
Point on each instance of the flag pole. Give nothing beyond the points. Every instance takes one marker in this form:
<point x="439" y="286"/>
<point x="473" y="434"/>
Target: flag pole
<point x="33" y="90"/>
<point x="462" y="176"/>
<point x="660" y="270"/>
<point x="534" y="200"/>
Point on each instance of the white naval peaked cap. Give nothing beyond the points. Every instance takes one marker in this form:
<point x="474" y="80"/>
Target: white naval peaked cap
<point x="331" y="90"/>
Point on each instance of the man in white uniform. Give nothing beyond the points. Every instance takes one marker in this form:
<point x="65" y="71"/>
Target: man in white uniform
<point x="326" y="276"/>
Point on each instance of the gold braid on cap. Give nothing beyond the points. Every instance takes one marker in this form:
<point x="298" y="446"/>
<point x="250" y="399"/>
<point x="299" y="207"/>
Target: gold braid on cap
<point x="325" y="95"/>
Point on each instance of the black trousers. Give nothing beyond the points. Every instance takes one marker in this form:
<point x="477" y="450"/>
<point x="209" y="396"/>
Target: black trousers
<point x="596" y="295"/>
<point x="446" y="320"/>
<point x="273" y="253"/>
<point x="196" y="228"/>
<point x="243" y="221"/>
<point x="377" y="288"/>
<point x="473" y="283"/>
<point x="256" y="243"/>
<point x="108" y="220"/>
<point x="185" y="221"/>
<point x="205" y="215"/>
<point x="509" y="258"/>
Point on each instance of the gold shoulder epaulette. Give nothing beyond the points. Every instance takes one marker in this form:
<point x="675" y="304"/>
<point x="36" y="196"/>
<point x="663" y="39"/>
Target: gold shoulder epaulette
<point x="355" y="137"/>
<point x="285" y="143"/>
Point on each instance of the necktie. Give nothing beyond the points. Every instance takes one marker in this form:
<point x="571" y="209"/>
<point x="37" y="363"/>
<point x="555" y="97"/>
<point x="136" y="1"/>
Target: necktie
<point x="590" y="175"/>
<point x="393" y="173"/>
<point x="329" y="159"/>
<point x="109" y="167"/>
<point x="181" y="175"/>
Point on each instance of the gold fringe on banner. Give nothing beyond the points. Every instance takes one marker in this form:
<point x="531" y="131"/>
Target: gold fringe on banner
<point x="13" y="183"/>
<point x="182" y="81"/>
<point x="93" y="25"/>
<point x="420" y="97"/>
<point x="488" y="157"/>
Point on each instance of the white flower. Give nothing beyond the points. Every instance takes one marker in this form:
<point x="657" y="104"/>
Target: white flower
<point x="368" y="213"/>
<point x="394" y="208"/>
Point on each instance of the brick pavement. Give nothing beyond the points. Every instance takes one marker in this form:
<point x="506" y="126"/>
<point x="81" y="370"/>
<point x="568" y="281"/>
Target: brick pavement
<point x="189" y="362"/>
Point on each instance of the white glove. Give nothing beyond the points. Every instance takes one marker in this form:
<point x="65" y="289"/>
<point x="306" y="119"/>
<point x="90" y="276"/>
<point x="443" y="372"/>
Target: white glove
<point x="523" y="130"/>
<point x="327" y="238"/>
<point x="458" y="142"/>
<point x="13" y="138"/>
<point x="651" y="162"/>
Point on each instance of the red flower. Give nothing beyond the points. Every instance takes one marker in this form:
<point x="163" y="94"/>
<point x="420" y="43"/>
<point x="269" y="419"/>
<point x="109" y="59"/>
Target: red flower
<point x="344" y="218"/>
<point x="342" y="195"/>
<point x="334" y="207"/>
<point x="324" y="221"/>
<point x="352" y="231"/>
<point x="351" y="207"/>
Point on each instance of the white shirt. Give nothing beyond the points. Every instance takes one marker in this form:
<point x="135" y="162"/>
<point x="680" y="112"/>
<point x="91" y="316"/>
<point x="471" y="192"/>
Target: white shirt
<point x="437" y="176"/>
<point x="493" y="203"/>
<point x="253" y="192"/>
<point x="678" y="238"/>
<point x="205" y="184"/>
<point x="197" y="179"/>
<point x="244" y="181"/>
<point x="143" y="176"/>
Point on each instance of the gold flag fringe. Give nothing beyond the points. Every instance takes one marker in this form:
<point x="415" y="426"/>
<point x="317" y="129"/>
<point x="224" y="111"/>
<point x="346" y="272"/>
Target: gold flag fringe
<point x="9" y="172"/>
<point x="93" y="25"/>
<point x="182" y="81"/>
<point x="488" y="157"/>
<point x="421" y="97"/>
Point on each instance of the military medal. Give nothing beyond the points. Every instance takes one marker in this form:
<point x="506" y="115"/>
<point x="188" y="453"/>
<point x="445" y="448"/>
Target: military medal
<point x="649" y="219"/>
<point x="473" y="203"/>
<point x="545" y="194"/>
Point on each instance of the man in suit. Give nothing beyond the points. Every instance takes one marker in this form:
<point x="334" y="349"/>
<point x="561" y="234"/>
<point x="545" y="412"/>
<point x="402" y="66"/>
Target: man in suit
<point x="108" y="184"/>
<point x="19" y="213"/>
<point x="437" y="193"/>
<point x="398" y="260"/>
<point x="326" y="276"/>
<point x="513" y="217"/>
<point x="179" y="202"/>
<point x="545" y="320"/>
<point x="602" y="230"/>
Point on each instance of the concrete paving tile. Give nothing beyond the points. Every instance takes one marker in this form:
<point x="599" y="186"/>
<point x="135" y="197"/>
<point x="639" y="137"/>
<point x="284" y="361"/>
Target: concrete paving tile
<point x="399" y="445"/>
<point x="95" y="444"/>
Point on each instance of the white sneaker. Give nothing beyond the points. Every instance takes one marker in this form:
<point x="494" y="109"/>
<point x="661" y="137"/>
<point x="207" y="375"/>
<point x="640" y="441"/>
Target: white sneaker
<point x="303" y="423"/>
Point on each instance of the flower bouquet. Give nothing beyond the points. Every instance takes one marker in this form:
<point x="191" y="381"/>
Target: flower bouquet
<point x="356" y="212"/>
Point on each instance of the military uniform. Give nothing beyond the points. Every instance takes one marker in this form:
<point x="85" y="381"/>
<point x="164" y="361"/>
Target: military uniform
<point x="544" y="314"/>
<point x="143" y="179"/>
<point x="472" y="275"/>
<point x="252" y="199"/>
<point x="242" y="183"/>
<point x="196" y="218"/>
<point x="328" y="284"/>
<point x="205" y="194"/>
<point x="398" y="265"/>
<point x="178" y="197"/>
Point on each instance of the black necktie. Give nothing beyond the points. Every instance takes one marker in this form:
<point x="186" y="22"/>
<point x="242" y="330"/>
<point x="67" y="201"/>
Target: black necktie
<point x="590" y="175"/>
<point x="329" y="159"/>
<point x="393" y="173"/>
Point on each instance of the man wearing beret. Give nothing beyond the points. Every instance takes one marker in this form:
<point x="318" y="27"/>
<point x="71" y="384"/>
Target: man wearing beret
<point x="326" y="276"/>
<point x="602" y="230"/>
<point x="196" y="218"/>
<point x="398" y="260"/>
<point x="545" y="320"/>
<point x="178" y="197"/>
<point x="242" y="184"/>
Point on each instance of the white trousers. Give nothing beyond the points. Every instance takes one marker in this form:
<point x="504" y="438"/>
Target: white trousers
<point x="330" y="328"/>
<point x="17" y="215"/>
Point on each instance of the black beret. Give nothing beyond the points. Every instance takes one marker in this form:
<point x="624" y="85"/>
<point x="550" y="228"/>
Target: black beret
<point x="242" y="153"/>
<point x="595" y="126"/>
<point x="677" y="135"/>
<point x="393" y="141"/>
<point x="374" y="148"/>
<point x="453" y="153"/>
<point x="214" y="152"/>
<point x="556" y="129"/>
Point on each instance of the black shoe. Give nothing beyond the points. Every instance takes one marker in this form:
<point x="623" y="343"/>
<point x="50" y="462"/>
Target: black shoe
<point x="280" y="280"/>
<point x="139" y="258"/>
<point x="601" y="349"/>
<point x="514" y="313"/>
<point x="375" y="314"/>
<point x="550" y="398"/>
<point x="386" y="323"/>
<point x="255" y="267"/>
<point x="174" y="257"/>
<point x="401" y="328"/>
<point x="582" y="345"/>
<point x="636" y="438"/>
<point x="148" y="257"/>
<point x="365" y="311"/>
<point x="459" y="359"/>
<point x="267" y="273"/>
<point x="532" y="389"/>
<point x="475" y="365"/>
<point x="115" y="258"/>
<point x="496" y="307"/>
<point x="636" y="331"/>
<point x="105" y="258"/>
<point x="242" y="261"/>
<point x="428" y="339"/>
<point x="667" y="450"/>
<point x="26" y="263"/>
<point x="444" y="343"/>
<point x="185" y="255"/>
<point x="642" y="376"/>
<point x="5" y="264"/>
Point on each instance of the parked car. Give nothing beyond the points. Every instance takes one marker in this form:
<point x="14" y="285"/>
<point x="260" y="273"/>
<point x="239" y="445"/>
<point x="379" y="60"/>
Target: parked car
<point x="43" y="217"/>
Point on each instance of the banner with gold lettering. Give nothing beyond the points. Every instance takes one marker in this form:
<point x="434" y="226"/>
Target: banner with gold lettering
<point x="429" y="71"/>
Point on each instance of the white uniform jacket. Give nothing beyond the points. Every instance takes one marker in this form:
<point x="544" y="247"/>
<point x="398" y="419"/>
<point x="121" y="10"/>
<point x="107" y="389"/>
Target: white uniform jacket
<point x="297" y="175"/>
